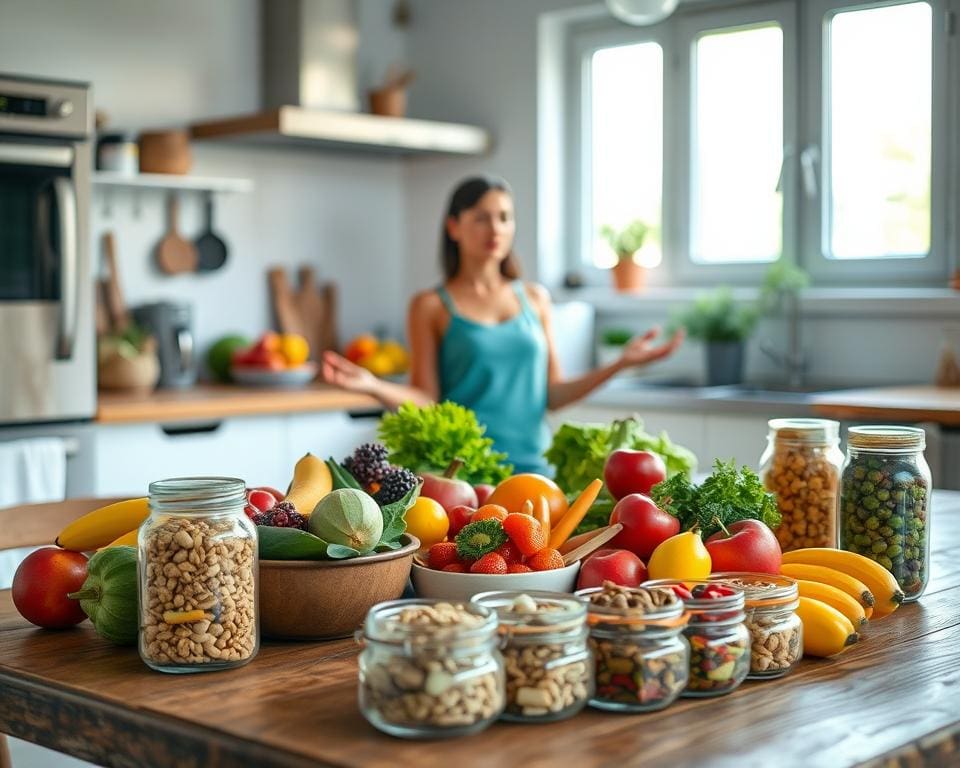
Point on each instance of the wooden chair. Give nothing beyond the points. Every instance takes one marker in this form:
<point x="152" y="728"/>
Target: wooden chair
<point x="37" y="525"/>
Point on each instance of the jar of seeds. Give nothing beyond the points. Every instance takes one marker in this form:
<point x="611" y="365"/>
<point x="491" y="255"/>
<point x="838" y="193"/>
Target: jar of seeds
<point x="544" y="643"/>
<point x="197" y="570"/>
<point x="430" y="669"/>
<point x="885" y="502"/>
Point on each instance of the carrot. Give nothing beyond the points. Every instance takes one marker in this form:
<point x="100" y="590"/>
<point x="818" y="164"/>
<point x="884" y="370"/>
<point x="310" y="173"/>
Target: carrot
<point x="575" y="514"/>
<point x="575" y="541"/>
<point x="541" y="512"/>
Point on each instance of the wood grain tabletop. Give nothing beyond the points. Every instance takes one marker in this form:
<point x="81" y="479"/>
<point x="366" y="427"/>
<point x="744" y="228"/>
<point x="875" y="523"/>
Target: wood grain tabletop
<point x="893" y="699"/>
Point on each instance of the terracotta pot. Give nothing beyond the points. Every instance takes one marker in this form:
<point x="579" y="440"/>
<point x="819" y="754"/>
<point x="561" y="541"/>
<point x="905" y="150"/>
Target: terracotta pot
<point x="628" y="276"/>
<point x="165" y="152"/>
<point x="388" y="102"/>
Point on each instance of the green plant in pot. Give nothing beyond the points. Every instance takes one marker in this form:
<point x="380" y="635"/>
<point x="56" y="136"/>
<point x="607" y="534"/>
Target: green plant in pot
<point x="628" y="275"/>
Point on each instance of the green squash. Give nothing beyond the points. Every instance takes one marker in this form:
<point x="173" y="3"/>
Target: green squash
<point x="109" y="595"/>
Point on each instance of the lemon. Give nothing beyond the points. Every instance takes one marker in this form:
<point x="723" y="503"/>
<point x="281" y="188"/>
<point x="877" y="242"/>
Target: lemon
<point x="428" y="521"/>
<point x="379" y="364"/>
<point x="294" y="348"/>
<point x="397" y="354"/>
<point x="680" y="557"/>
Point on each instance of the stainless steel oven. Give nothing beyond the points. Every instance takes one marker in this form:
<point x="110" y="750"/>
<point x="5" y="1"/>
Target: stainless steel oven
<point x="47" y="345"/>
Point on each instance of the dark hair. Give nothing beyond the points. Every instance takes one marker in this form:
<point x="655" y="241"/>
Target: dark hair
<point x="465" y="196"/>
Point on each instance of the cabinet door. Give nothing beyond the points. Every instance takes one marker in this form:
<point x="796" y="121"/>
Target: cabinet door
<point x="334" y="433"/>
<point x="130" y="456"/>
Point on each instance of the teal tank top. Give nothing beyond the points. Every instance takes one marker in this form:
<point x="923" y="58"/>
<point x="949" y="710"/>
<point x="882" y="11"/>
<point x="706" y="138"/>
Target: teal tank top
<point x="500" y="372"/>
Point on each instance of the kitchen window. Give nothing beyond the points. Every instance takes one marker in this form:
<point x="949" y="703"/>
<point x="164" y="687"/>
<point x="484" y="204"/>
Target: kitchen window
<point x="810" y="130"/>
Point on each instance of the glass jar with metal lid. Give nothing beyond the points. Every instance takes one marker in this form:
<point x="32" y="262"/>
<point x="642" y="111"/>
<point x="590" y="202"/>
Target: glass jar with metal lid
<point x="801" y="465"/>
<point x="885" y="502"/>
<point x="549" y="669"/>
<point x="430" y="668"/>
<point x="198" y="573"/>
<point x="640" y="655"/>
<point x="776" y="632"/>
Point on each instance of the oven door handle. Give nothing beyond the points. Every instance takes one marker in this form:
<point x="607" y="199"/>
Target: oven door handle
<point x="69" y="285"/>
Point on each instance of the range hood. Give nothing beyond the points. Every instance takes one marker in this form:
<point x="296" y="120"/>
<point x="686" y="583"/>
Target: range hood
<point x="309" y="89"/>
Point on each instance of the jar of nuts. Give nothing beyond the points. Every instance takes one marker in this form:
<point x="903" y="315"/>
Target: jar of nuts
<point x="430" y="668"/>
<point x="885" y="502"/>
<point x="776" y="632"/>
<point x="640" y="656"/>
<point x="801" y="465"/>
<point x="719" y="640"/>
<point x="198" y="576"/>
<point x="544" y="643"/>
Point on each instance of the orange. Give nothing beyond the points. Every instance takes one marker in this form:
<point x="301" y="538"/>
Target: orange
<point x="362" y="346"/>
<point x="294" y="348"/>
<point x="515" y="490"/>
<point x="428" y="521"/>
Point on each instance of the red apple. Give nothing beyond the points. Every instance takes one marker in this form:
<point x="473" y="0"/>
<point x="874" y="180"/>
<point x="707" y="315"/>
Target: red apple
<point x="627" y="471"/>
<point x="41" y="585"/>
<point x="751" y="546"/>
<point x="616" y="565"/>
<point x="459" y="516"/>
<point x="645" y="525"/>
<point x="447" y="490"/>
<point x="483" y="491"/>
<point x="278" y="495"/>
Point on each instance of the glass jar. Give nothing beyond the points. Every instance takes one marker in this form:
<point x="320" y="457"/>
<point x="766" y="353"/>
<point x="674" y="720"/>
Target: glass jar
<point x="641" y="658"/>
<point x="198" y="571"/>
<point x="776" y="632"/>
<point x="719" y="640"/>
<point x="549" y="669"/>
<point x="885" y="502"/>
<point x="430" y="668"/>
<point x="801" y="466"/>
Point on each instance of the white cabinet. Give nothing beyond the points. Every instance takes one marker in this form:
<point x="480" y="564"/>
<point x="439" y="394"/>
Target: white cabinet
<point x="128" y="457"/>
<point x="334" y="433"/>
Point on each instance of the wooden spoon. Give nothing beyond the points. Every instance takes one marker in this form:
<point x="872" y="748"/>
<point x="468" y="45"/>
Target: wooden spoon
<point x="174" y="254"/>
<point x="594" y="544"/>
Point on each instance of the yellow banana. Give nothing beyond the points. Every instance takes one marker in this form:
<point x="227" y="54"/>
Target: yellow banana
<point x="311" y="482"/>
<point x="834" y="597"/>
<point x="853" y="587"/>
<point x="100" y="527"/>
<point x="826" y="631"/>
<point x="886" y="591"/>
<point x="129" y="539"/>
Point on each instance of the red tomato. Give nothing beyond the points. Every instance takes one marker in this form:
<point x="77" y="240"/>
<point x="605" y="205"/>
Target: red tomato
<point x="41" y="585"/>
<point x="627" y="471"/>
<point x="459" y="516"/>
<point x="616" y="565"/>
<point x="645" y="525"/>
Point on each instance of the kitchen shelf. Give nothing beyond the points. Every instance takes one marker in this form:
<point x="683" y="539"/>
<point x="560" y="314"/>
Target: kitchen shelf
<point x="112" y="179"/>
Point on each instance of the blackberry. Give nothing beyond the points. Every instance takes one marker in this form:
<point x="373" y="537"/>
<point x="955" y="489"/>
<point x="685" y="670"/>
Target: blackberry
<point x="397" y="481"/>
<point x="368" y="464"/>
<point x="283" y="515"/>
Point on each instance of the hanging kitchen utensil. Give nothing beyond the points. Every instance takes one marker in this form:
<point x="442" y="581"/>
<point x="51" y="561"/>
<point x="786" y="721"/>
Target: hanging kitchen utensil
<point x="211" y="250"/>
<point x="117" y="316"/>
<point x="174" y="254"/>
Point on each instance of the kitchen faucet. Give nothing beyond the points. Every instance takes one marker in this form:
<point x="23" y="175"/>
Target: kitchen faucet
<point x="793" y="361"/>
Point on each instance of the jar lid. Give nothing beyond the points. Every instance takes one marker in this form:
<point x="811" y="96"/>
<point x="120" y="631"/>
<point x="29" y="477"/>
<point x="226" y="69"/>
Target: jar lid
<point x="761" y="590"/>
<point x="806" y="430"/>
<point x="533" y="611"/>
<point x="197" y="495"/>
<point x="429" y="622"/>
<point x="887" y="437"/>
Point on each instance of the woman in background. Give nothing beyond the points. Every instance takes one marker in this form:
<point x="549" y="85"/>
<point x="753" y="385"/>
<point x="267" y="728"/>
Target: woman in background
<point x="484" y="338"/>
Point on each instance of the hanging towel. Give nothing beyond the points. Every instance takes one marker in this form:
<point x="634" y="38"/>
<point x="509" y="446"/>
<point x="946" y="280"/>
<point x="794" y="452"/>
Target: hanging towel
<point x="31" y="471"/>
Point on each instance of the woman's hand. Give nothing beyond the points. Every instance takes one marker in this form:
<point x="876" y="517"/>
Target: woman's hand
<point x="340" y="372"/>
<point x="641" y="350"/>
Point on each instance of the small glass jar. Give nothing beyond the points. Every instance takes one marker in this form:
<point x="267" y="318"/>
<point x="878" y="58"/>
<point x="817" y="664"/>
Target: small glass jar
<point x="776" y="632"/>
<point x="801" y="465"/>
<point x="719" y="640"/>
<point x="430" y="669"/>
<point x="549" y="669"/>
<point x="885" y="502"/>
<point x="641" y="659"/>
<point x="198" y="571"/>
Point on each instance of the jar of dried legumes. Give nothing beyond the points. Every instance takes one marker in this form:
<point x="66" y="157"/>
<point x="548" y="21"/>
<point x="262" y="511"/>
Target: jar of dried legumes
<point x="548" y="664"/>
<point x="640" y="656"/>
<point x="198" y="576"/>
<point x="430" y="669"/>
<point x="801" y="465"/>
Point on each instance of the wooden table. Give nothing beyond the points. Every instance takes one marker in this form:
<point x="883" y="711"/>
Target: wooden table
<point x="882" y="404"/>
<point x="893" y="699"/>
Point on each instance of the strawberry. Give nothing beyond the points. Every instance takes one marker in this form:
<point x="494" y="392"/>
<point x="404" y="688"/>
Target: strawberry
<point x="455" y="568"/>
<point x="518" y="568"/>
<point x="490" y="563"/>
<point x="526" y="532"/>
<point x="545" y="560"/>
<point x="442" y="554"/>
<point x="489" y="511"/>
<point x="510" y="552"/>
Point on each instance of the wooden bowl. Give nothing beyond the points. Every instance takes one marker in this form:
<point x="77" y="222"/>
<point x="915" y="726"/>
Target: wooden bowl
<point x="324" y="599"/>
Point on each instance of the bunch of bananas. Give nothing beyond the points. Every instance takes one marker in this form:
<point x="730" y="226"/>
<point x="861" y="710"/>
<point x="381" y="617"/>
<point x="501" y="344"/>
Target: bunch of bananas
<point x="839" y="592"/>
<point x="112" y="525"/>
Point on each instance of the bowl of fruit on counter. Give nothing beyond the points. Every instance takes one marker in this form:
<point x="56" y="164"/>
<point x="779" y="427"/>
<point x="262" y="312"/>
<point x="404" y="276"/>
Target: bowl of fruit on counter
<point x="274" y="360"/>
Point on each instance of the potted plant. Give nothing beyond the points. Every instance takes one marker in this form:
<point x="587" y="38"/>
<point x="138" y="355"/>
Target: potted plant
<point x="628" y="275"/>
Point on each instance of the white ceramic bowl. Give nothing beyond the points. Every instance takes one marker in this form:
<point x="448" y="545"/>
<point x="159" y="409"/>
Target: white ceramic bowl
<point x="252" y="376"/>
<point x="447" y="585"/>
